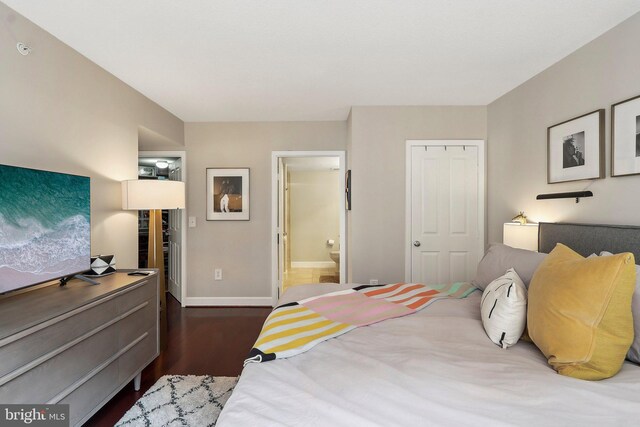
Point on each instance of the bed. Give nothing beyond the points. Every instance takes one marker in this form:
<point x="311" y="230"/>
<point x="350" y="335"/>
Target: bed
<point x="436" y="367"/>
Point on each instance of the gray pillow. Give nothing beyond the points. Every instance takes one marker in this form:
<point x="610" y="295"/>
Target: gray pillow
<point x="499" y="258"/>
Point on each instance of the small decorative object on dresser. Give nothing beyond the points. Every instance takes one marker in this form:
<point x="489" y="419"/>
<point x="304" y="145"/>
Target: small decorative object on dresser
<point x="575" y="148"/>
<point x="102" y="265"/>
<point x="625" y="137"/>
<point x="227" y="194"/>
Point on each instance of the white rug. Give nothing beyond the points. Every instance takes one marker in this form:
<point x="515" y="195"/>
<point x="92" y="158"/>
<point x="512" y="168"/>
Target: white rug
<point x="181" y="400"/>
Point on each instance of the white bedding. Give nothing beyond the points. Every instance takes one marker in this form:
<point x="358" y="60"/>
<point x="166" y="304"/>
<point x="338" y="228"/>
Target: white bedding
<point x="435" y="367"/>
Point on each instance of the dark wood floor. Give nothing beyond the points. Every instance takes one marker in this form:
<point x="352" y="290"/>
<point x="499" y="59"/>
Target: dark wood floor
<point x="201" y="341"/>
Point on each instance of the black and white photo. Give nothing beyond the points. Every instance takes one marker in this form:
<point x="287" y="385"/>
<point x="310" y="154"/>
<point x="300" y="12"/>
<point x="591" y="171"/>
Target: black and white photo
<point x="575" y="148"/>
<point x="625" y="137"/>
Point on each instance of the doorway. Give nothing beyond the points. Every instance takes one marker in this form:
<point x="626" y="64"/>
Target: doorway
<point x="308" y="219"/>
<point x="169" y="165"/>
<point x="445" y="210"/>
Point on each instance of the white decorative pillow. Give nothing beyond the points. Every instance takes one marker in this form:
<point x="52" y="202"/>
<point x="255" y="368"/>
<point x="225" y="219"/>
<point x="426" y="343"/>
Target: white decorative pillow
<point x="504" y="309"/>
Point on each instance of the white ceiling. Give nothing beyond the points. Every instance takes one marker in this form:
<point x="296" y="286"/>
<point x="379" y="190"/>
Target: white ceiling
<point x="242" y="60"/>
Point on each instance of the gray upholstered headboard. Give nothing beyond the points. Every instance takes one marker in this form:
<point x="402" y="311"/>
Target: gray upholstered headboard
<point x="587" y="239"/>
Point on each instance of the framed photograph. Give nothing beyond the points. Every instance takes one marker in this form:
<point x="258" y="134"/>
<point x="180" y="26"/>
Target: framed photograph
<point x="227" y="194"/>
<point x="625" y="137"/>
<point x="575" y="149"/>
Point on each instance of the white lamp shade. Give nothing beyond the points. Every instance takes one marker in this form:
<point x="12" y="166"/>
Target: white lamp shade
<point x="152" y="194"/>
<point x="523" y="236"/>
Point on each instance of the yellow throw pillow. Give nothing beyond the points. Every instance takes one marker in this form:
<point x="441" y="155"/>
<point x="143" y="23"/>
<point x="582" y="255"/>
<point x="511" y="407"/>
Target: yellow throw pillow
<point x="579" y="312"/>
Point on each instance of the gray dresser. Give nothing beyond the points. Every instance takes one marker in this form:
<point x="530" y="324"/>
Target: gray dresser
<point x="79" y="344"/>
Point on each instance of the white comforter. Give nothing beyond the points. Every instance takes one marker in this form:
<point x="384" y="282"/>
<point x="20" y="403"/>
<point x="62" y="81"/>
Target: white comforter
<point x="435" y="367"/>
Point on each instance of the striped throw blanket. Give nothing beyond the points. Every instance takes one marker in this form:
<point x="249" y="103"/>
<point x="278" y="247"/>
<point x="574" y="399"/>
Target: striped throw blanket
<point x="296" y="327"/>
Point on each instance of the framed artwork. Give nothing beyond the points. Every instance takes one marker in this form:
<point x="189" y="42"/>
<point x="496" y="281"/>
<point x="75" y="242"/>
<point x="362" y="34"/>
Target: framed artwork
<point x="347" y="189"/>
<point x="575" y="149"/>
<point x="227" y="194"/>
<point x="625" y="137"/>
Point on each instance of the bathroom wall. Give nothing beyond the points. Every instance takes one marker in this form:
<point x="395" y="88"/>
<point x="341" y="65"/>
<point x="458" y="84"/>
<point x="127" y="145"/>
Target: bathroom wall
<point x="314" y="215"/>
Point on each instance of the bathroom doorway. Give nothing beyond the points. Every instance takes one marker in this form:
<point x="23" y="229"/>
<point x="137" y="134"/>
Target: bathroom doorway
<point x="308" y="219"/>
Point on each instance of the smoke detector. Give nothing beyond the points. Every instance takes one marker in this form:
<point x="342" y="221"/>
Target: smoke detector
<point x="23" y="49"/>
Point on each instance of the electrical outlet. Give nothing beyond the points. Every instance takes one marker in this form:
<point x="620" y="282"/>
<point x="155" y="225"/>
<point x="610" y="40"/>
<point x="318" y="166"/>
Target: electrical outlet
<point x="192" y="222"/>
<point x="373" y="281"/>
<point x="217" y="274"/>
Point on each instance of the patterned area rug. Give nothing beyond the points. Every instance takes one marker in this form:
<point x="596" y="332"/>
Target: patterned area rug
<point x="181" y="400"/>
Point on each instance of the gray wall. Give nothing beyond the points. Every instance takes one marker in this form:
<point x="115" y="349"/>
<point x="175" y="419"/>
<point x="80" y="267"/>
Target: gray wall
<point x="241" y="248"/>
<point x="603" y="72"/>
<point x="61" y="112"/>
<point x="377" y="158"/>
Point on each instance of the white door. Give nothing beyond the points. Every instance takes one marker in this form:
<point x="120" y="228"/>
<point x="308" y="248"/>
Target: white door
<point x="175" y="239"/>
<point x="447" y="231"/>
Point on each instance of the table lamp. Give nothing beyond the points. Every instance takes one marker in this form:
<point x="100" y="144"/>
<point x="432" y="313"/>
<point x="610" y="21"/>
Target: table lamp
<point x="523" y="236"/>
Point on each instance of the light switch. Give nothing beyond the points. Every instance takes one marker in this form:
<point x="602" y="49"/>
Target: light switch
<point x="192" y="222"/>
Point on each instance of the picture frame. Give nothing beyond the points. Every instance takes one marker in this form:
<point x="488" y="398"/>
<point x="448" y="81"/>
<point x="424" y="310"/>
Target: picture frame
<point x="347" y="189"/>
<point x="625" y="137"/>
<point x="228" y="194"/>
<point x="575" y="149"/>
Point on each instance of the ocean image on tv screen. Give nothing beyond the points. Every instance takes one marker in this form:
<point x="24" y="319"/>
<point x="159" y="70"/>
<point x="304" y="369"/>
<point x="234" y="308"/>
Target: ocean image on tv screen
<point x="45" y="227"/>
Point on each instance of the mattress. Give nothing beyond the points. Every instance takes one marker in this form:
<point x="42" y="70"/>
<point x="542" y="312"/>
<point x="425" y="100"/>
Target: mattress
<point x="435" y="367"/>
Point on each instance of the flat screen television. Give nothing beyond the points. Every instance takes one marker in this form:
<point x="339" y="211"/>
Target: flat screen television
<point x="45" y="226"/>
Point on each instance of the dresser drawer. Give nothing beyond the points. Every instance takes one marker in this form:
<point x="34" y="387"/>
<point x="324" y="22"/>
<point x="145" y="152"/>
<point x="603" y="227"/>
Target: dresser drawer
<point x="92" y="394"/>
<point x="140" y="354"/>
<point x="39" y="342"/>
<point x="45" y="381"/>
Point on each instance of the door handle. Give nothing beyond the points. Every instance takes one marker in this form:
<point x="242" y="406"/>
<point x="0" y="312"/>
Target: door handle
<point x="416" y="243"/>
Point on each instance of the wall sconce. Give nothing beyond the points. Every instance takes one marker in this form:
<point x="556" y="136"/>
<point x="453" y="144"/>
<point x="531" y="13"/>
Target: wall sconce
<point x="570" y="195"/>
<point x="523" y="236"/>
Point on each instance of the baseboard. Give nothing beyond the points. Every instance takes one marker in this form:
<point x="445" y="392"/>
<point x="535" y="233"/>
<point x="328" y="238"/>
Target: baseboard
<point x="227" y="301"/>
<point x="313" y="264"/>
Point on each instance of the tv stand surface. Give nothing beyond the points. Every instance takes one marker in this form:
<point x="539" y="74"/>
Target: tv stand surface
<point x="79" y="344"/>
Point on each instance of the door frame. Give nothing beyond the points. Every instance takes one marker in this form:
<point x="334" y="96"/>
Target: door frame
<point x="183" y="240"/>
<point x="275" y="156"/>
<point x="480" y="144"/>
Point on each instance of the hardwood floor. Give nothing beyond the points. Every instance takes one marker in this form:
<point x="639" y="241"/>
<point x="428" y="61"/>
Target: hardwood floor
<point x="201" y="341"/>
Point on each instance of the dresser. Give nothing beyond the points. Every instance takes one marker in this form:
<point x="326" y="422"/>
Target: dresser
<point x="79" y="344"/>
